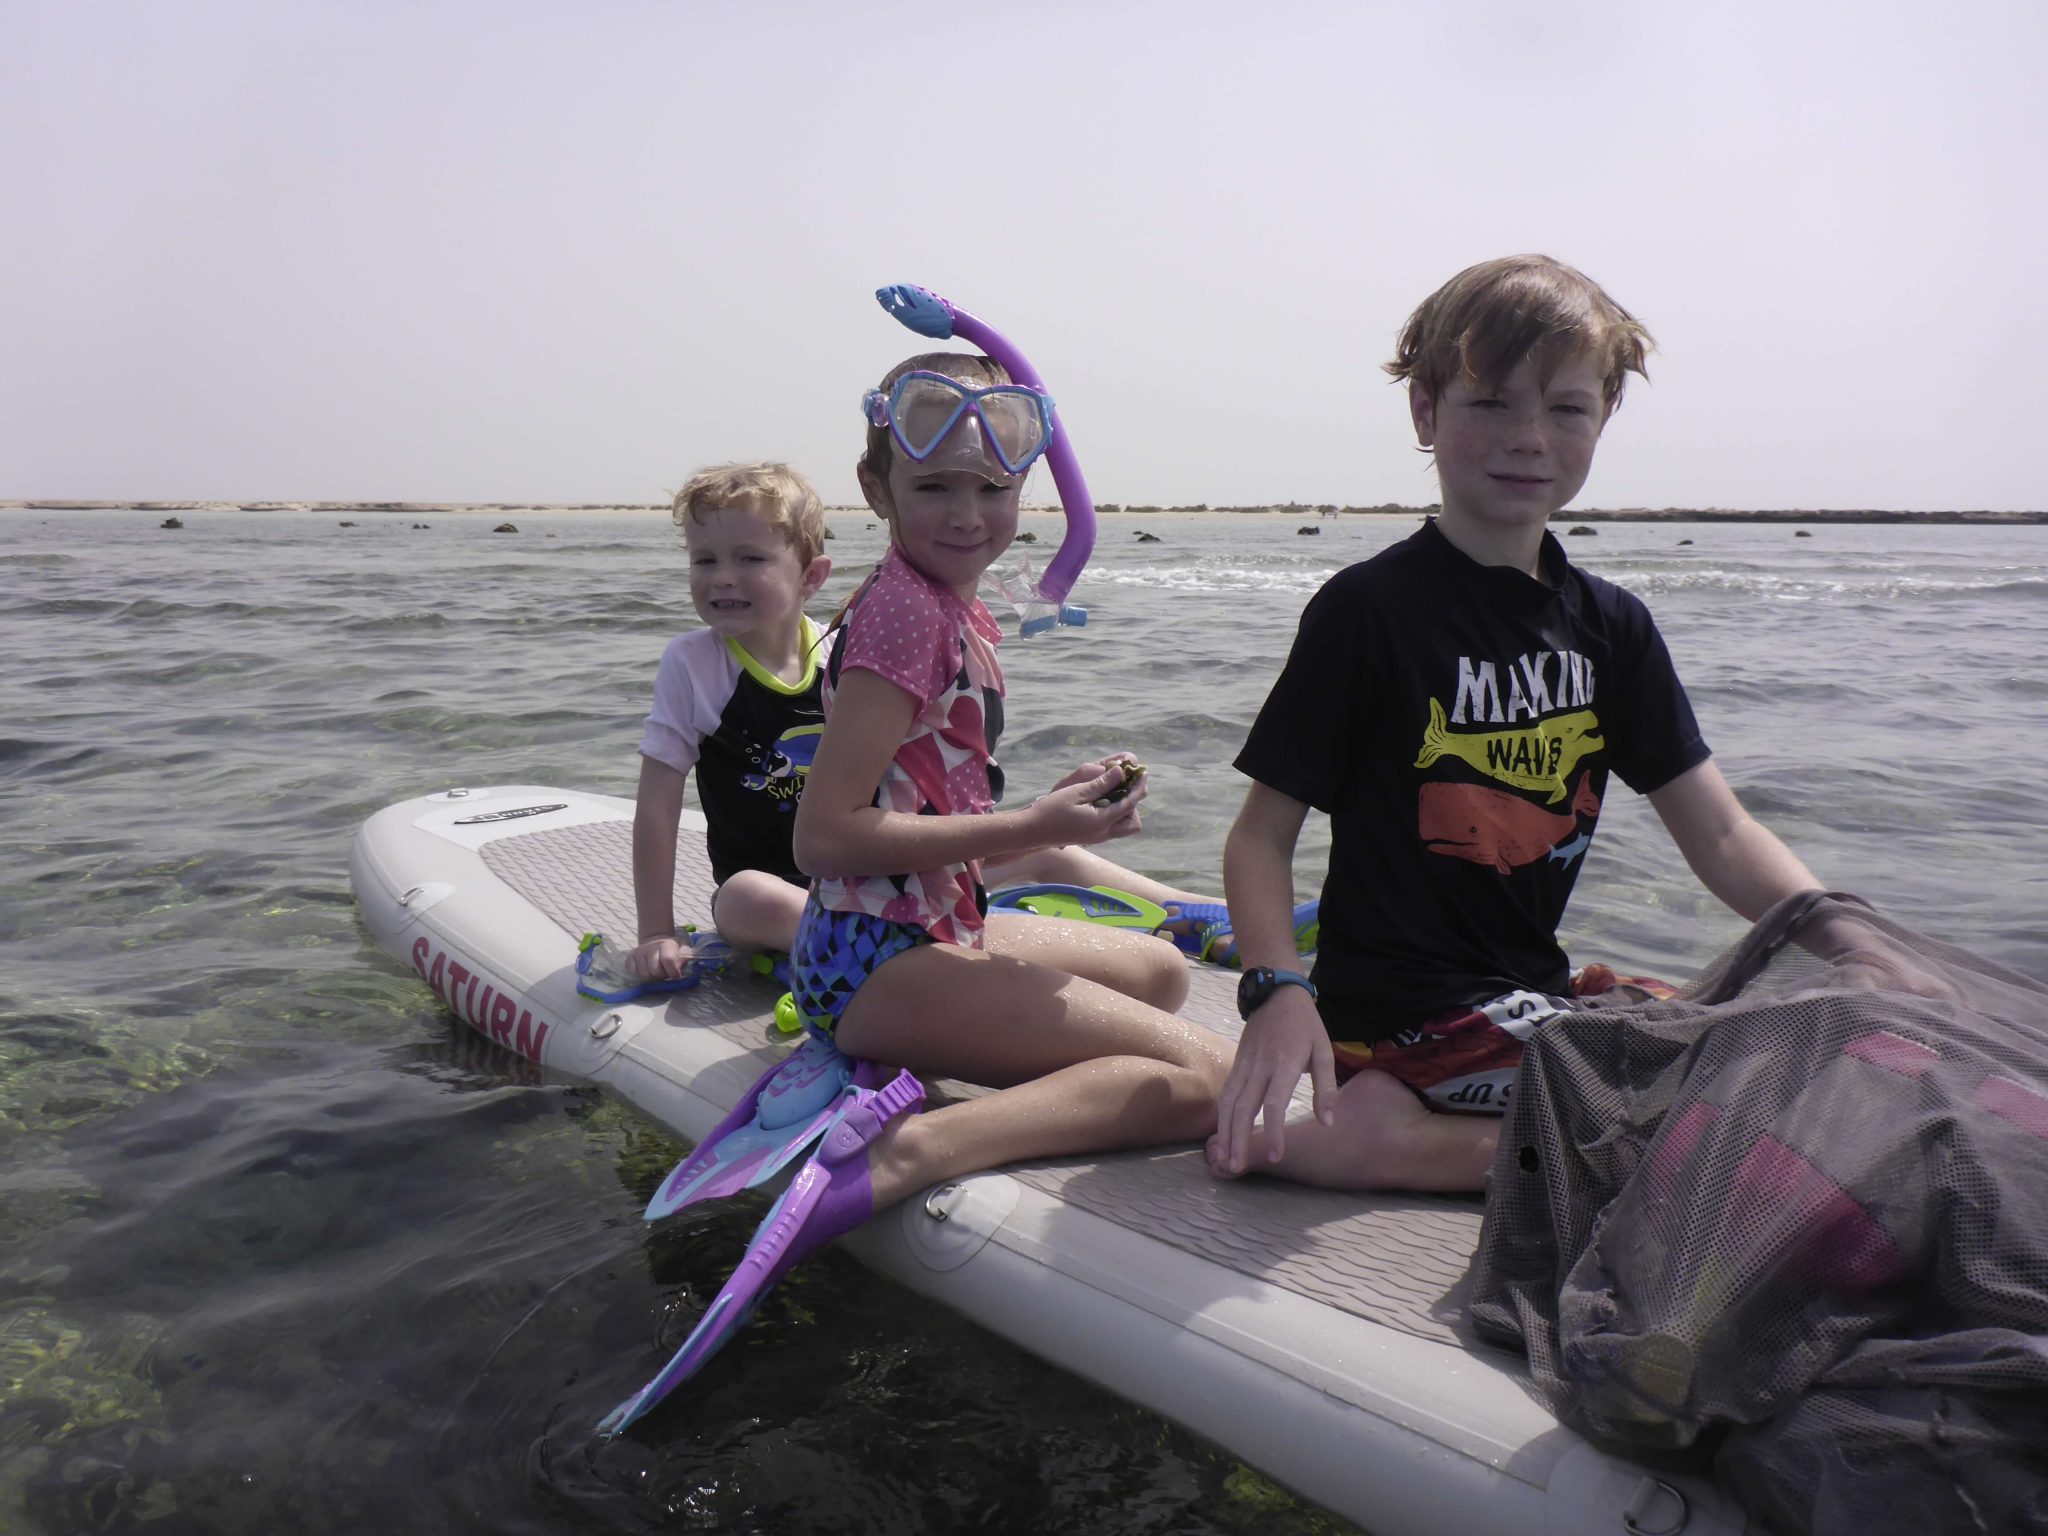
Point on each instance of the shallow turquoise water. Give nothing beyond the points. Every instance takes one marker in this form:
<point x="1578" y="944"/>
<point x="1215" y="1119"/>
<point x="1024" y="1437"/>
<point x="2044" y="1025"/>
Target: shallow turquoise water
<point x="281" y="1247"/>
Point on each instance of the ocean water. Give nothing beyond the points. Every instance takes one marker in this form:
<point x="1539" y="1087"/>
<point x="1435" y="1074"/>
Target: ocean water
<point x="282" y="1247"/>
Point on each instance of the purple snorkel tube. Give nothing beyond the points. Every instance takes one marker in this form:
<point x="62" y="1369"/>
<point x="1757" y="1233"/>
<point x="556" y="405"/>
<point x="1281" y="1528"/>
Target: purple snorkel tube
<point x="1045" y="605"/>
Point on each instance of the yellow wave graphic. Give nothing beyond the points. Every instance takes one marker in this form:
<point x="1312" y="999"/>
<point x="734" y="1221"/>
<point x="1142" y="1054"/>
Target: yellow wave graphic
<point x="1539" y="756"/>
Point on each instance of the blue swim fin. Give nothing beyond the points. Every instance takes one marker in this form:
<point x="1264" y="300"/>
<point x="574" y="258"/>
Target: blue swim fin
<point x="1207" y="934"/>
<point x="773" y="1124"/>
<point x="829" y="1196"/>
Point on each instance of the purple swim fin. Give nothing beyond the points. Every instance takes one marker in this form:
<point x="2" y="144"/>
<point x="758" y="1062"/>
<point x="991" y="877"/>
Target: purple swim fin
<point x="771" y="1126"/>
<point x="829" y="1197"/>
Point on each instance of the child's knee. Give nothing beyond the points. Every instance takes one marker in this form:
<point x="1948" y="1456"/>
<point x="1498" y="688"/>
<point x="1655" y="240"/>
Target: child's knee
<point x="1161" y="975"/>
<point x="758" y="909"/>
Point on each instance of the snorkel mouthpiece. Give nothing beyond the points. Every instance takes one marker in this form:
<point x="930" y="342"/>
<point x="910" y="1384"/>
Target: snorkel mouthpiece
<point x="1042" y="605"/>
<point x="920" y="309"/>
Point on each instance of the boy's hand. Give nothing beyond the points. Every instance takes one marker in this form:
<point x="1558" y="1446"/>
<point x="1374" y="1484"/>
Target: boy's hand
<point x="1864" y="956"/>
<point x="1281" y="1040"/>
<point x="659" y="959"/>
<point x="1079" y="810"/>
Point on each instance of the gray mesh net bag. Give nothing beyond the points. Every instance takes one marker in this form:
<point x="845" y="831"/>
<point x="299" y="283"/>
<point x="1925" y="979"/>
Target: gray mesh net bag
<point x="1795" y="1218"/>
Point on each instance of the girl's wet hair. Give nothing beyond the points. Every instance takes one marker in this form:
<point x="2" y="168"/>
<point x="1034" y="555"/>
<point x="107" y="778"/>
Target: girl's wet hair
<point x="1483" y="322"/>
<point x="781" y="495"/>
<point x="970" y="368"/>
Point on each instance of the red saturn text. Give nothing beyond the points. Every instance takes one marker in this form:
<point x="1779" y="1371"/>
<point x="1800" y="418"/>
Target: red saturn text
<point x="478" y="1002"/>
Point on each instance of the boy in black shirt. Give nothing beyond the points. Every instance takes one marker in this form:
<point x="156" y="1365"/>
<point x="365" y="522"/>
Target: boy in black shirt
<point x="1455" y="704"/>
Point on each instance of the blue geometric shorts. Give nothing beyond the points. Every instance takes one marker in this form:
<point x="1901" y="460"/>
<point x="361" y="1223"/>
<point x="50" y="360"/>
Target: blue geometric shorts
<point x="834" y="953"/>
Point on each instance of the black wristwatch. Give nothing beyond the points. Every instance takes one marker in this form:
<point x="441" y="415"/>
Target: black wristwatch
<point x="1257" y="986"/>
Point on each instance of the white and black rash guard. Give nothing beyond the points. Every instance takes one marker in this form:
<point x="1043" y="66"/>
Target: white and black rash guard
<point x="749" y="736"/>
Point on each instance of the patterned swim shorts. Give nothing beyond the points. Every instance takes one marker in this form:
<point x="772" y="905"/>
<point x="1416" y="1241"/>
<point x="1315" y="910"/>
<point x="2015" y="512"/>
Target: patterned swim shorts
<point x="835" y="952"/>
<point x="1465" y="1061"/>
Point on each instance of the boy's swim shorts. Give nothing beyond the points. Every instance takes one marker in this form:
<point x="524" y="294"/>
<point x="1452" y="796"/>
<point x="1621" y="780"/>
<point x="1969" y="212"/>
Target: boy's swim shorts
<point x="835" y="952"/>
<point x="1466" y="1060"/>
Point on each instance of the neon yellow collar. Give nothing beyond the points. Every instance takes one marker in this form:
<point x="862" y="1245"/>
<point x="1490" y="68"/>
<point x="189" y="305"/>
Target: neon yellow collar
<point x="767" y="679"/>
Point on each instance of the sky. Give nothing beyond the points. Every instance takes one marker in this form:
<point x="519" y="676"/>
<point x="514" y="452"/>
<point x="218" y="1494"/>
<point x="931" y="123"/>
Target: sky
<point x="524" y="252"/>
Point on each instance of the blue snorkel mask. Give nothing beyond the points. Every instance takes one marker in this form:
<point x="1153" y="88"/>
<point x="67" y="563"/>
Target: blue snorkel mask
<point x="1019" y="422"/>
<point x="921" y="410"/>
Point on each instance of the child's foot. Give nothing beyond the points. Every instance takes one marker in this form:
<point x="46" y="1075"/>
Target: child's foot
<point x="1255" y="1156"/>
<point x="1189" y="924"/>
<point x="1203" y="930"/>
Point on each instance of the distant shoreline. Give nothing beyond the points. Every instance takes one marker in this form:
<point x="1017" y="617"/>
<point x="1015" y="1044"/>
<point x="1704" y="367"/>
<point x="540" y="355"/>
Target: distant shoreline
<point x="1296" y="510"/>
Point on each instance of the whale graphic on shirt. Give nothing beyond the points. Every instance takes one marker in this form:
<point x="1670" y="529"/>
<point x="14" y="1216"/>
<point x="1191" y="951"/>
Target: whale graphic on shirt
<point x="1535" y="757"/>
<point x="1491" y="826"/>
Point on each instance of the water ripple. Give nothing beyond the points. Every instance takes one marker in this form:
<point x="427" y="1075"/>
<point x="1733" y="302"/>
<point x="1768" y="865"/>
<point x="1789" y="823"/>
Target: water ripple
<point x="285" y="1249"/>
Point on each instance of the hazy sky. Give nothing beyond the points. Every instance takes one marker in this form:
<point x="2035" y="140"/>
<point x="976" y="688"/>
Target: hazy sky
<point x="517" y="251"/>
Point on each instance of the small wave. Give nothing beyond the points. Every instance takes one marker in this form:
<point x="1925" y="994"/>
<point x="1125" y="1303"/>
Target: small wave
<point x="1864" y="586"/>
<point x="2023" y="685"/>
<point x="40" y="560"/>
<point x="46" y="759"/>
<point x="1200" y="579"/>
<point x="204" y="669"/>
<point x="2026" y="588"/>
<point x="161" y="608"/>
<point x="66" y="607"/>
<point x="576" y="547"/>
<point x="397" y="623"/>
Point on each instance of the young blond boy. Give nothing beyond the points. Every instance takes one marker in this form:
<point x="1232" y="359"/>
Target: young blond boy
<point x="1456" y="704"/>
<point x="737" y="701"/>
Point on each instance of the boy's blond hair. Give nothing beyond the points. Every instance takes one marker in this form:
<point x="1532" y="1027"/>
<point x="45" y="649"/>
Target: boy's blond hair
<point x="783" y="497"/>
<point x="1484" y="321"/>
<point x="970" y="368"/>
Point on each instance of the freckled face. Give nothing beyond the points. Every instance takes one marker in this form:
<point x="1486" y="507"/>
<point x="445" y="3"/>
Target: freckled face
<point x="954" y="514"/>
<point x="1513" y="454"/>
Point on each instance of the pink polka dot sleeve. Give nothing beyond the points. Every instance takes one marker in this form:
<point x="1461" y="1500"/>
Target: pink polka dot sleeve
<point x="907" y="631"/>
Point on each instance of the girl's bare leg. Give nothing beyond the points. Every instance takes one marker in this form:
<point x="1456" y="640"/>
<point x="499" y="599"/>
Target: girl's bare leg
<point x="1082" y="1068"/>
<point x="1139" y="965"/>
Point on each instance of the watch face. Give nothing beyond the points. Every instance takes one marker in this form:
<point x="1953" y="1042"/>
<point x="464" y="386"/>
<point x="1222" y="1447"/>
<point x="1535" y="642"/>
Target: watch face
<point x="1253" y="988"/>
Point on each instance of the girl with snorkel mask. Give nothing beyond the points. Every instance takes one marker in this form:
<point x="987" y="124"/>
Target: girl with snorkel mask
<point x="909" y="975"/>
<point x="1072" y="1022"/>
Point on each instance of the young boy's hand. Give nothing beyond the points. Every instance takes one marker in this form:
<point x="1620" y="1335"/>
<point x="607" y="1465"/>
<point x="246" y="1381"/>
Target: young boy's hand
<point x="659" y="959"/>
<point x="1284" y="1039"/>
<point x="1079" y="810"/>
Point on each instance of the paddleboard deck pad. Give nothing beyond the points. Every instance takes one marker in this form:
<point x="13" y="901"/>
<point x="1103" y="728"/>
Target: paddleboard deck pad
<point x="1319" y="1336"/>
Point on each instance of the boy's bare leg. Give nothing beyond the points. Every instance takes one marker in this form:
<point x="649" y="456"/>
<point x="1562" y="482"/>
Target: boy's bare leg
<point x="1139" y="965"/>
<point x="1082" y="1068"/>
<point x="1381" y="1137"/>
<point x="757" y="910"/>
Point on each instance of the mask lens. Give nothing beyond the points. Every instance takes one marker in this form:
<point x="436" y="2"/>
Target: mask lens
<point x="924" y="410"/>
<point x="1015" y="422"/>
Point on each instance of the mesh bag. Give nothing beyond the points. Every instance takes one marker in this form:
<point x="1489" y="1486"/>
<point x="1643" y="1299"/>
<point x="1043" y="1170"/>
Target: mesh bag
<point x="1800" y="1210"/>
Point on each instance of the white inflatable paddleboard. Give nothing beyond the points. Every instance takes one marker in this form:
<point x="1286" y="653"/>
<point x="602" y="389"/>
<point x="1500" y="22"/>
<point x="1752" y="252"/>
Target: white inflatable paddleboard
<point x="1320" y="1337"/>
